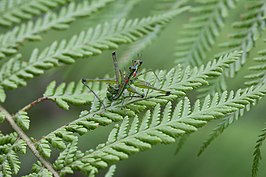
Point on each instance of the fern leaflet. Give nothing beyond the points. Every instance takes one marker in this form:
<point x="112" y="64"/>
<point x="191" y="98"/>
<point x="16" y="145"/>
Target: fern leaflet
<point x="257" y="153"/>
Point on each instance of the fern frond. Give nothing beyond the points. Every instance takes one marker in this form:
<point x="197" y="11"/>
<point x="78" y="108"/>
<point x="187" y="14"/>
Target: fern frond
<point x="177" y="80"/>
<point x="259" y="70"/>
<point x="208" y="72"/>
<point x="215" y="85"/>
<point x="75" y="93"/>
<point x="10" y="147"/>
<point x="218" y="130"/>
<point x="162" y="127"/>
<point x="68" y="156"/>
<point x="248" y="31"/>
<point x="10" y="41"/>
<point x="257" y="153"/>
<point x="138" y="46"/>
<point x="181" y="141"/>
<point x="116" y="10"/>
<point x="22" y="119"/>
<point x="204" y="27"/>
<point x="111" y="171"/>
<point x="2" y="117"/>
<point x="163" y="5"/>
<point x="14" y="73"/>
<point x="39" y="171"/>
<point x="14" y="11"/>
<point x="141" y="44"/>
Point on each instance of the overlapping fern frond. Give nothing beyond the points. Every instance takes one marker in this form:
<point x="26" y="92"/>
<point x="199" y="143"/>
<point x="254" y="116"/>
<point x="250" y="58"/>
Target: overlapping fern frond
<point x="136" y="48"/>
<point x="15" y="72"/>
<point x="10" y="41"/>
<point x="248" y="30"/>
<point x="14" y="11"/>
<point x="199" y="35"/>
<point x="259" y="70"/>
<point x="10" y="147"/>
<point x="222" y="126"/>
<point x="111" y="171"/>
<point x="177" y="80"/>
<point x="257" y="153"/>
<point x="139" y="46"/>
<point x="161" y="126"/>
<point x="39" y="171"/>
<point x="75" y="93"/>
<point x="163" y="5"/>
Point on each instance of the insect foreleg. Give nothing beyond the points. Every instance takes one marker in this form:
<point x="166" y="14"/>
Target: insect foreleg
<point x="84" y="82"/>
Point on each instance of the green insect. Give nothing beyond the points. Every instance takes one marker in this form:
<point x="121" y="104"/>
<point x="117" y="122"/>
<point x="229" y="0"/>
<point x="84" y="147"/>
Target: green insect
<point x="123" y="82"/>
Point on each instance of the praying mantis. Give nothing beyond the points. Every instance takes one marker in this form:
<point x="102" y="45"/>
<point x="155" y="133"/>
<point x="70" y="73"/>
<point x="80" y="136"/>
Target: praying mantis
<point x="124" y="82"/>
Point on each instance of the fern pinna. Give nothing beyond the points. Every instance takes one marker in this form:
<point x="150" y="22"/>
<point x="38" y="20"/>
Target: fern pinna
<point x="140" y="122"/>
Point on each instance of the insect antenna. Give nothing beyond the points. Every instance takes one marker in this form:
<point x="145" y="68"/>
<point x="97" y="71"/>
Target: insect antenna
<point x="84" y="83"/>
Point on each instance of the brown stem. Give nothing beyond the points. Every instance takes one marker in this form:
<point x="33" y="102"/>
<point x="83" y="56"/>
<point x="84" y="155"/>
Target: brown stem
<point x="27" y="107"/>
<point x="30" y="144"/>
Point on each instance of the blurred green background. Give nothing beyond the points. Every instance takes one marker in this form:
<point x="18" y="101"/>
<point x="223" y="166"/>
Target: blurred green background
<point x="230" y="155"/>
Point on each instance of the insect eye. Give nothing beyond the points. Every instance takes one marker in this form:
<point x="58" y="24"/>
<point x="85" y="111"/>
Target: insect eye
<point x="140" y="61"/>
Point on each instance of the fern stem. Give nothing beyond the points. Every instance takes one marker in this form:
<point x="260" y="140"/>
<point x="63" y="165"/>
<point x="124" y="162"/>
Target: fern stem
<point x="30" y="144"/>
<point x="30" y="105"/>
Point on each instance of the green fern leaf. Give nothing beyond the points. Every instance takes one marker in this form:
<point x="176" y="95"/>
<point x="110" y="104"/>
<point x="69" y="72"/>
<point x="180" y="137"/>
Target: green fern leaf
<point x="138" y="46"/>
<point x="217" y="131"/>
<point x="2" y="117"/>
<point x="182" y="121"/>
<point x="39" y="171"/>
<point x="111" y="171"/>
<point x="2" y="94"/>
<point x="248" y="31"/>
<point x="177" y="80"/>
<point x="10" y="147"/>
<point x="215" y="85"/>
<point x="116" y="10"/>
<point x="14" y="73"/>
<point x="164" y="5"/>
<point x="66" y="157"/>
<point x="44" y="148"/>
<point x="199" y="76"/>
<point x="17" y="10"/>
<point x="257" y="153"/>
<point x="214" y="134"/>
<point x="59" y="21"/>
<point x="68" y="93"/>
<point x="259" y="70"/>
<point x="180" y="143"/>
<point x="204" y="27"/>
<point x="22" y="119"/>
